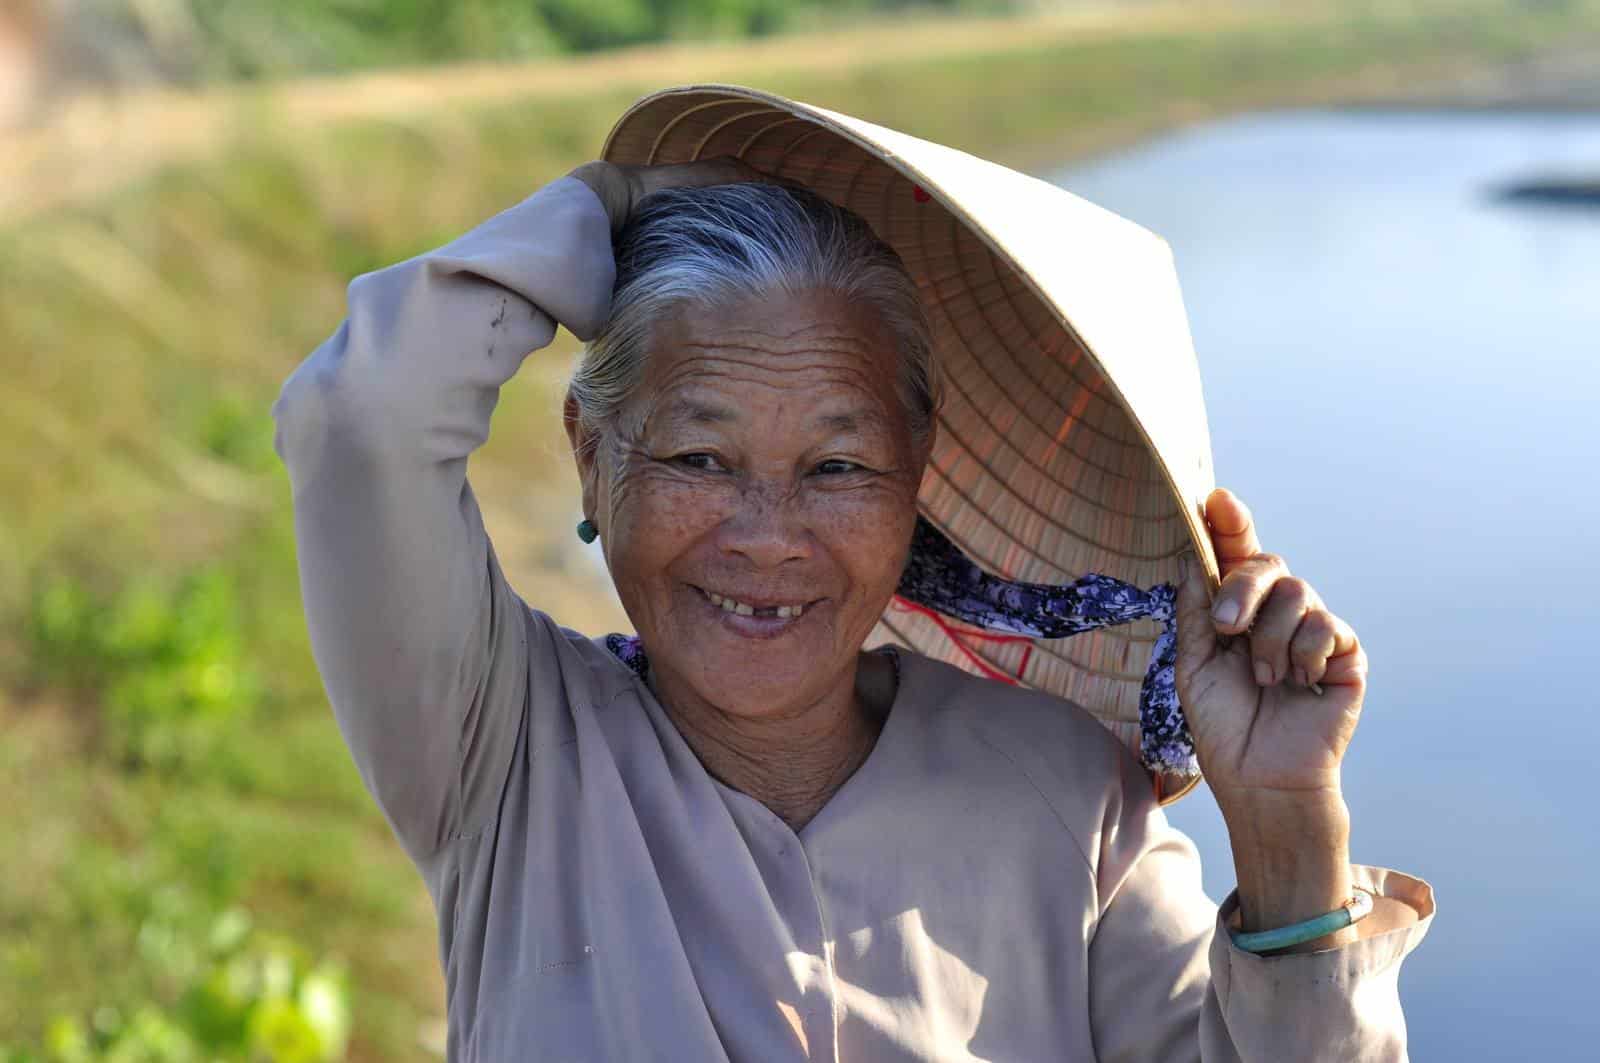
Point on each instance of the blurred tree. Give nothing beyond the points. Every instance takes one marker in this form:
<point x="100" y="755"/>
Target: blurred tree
<point x="589" y="24"/>
<point x="189" y="40"/>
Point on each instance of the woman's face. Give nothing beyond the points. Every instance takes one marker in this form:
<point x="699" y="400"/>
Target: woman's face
<point x="756" y="515"/>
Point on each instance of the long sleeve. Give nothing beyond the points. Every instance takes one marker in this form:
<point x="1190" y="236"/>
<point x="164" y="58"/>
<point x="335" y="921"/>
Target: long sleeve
<point x="1167" y="983"/>
<point x="421" y="643"/>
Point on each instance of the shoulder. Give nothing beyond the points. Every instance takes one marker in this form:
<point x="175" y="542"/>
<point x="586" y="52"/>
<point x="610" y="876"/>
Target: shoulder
<point x="1087" y="778"/>
<point x="569" y="669"/>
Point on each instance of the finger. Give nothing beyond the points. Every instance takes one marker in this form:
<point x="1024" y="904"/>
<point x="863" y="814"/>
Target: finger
<point x="1346" y="669"/>
<point x="732" y="168"/>
<point x="1281" y="617"/>
<point x="1244" y="590"/>
<point x="1197" y="641"/>
<point x="720" y="170"/>
<point x="1313" y="644"/>
<point x="1233" y="530"/>
<point x="1321" y="639"/>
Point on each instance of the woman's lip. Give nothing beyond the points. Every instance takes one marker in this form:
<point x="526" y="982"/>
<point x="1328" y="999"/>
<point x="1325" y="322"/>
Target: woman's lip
<point x="756" y="627"/>
<point x="758" y="602"/>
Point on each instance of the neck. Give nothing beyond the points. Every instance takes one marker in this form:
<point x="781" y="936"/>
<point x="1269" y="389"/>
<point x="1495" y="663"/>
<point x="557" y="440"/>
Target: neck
<point x="795" y="761"/>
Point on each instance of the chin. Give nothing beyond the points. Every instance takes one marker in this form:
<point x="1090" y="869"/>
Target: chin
<point x="765" y="675"/>
<point x="750" y="693"/>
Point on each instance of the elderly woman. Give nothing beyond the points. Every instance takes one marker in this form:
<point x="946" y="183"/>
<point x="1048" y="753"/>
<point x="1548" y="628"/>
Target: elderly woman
<point x="742" y="835"/>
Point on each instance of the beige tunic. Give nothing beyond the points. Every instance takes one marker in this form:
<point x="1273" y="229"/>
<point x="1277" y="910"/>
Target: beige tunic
<point x="995" y="882"/>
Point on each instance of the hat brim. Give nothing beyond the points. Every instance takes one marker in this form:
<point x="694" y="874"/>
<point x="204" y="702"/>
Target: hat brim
<point x="1073" y="436"/>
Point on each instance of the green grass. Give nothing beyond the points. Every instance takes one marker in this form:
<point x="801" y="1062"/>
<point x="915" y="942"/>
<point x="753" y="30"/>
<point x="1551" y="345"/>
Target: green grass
<point x="221" y="39"/>
<point x="164" y="728"/>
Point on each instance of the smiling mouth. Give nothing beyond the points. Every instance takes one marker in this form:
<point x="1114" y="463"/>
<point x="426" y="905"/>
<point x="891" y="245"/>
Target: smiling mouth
<point x="781" y="611"/>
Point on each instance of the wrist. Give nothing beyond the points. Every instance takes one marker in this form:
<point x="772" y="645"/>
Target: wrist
<point x="1291" y="854"/>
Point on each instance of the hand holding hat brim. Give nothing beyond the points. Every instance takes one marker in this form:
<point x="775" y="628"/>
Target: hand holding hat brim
<point x="1271" y="681"/>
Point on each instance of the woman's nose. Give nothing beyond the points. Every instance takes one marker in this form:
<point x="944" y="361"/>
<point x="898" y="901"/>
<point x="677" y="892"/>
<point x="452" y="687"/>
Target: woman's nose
<point x="768" y="527"/>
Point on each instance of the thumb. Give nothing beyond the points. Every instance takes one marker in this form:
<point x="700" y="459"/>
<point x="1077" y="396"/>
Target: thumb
<point x="1197" y="636"/>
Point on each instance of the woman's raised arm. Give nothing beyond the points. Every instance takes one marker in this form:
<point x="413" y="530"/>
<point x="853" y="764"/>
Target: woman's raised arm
<point x="420" y="641"/>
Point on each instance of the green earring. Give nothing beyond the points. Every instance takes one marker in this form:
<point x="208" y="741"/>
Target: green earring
<point x="587" y="531"/>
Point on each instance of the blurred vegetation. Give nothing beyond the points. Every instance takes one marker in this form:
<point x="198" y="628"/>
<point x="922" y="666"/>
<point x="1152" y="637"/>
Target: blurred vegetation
<point x="194" y="39"/>
<point x="168" y="763"/>
<point x="233" y="995"/>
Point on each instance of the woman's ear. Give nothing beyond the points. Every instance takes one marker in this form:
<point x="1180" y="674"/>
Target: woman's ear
<point x="584" y="448"/>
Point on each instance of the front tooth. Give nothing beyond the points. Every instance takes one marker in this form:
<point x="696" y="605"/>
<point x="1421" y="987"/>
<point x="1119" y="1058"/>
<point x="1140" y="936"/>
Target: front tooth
<point x="744" y="610"/>
<point x="728" y="605"/>
<point x="783" y="612"/>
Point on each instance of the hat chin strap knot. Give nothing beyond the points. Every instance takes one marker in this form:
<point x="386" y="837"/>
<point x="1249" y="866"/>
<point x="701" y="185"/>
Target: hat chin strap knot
<point x="940" y="577"/>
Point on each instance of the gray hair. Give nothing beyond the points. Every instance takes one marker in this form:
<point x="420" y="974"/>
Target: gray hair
<point x="705" y="245"/>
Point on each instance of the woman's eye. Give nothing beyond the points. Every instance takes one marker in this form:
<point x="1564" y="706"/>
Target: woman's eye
<point x="698" y="460"/>
<point x="837" y="467"/>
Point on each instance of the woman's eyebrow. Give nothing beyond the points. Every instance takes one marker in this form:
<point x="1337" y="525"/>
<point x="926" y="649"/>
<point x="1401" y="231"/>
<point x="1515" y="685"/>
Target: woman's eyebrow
<point x="701" y="412"/>
<point x="856" y="420"/>
<point x="698" y="412"/>
<point x="840" y="422"/>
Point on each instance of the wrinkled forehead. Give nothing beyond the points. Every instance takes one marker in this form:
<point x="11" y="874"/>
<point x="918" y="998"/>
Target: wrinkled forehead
<point x="816" y="353"/>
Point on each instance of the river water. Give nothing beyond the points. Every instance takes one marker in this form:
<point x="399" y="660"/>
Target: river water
<point x="1403" y="381"/>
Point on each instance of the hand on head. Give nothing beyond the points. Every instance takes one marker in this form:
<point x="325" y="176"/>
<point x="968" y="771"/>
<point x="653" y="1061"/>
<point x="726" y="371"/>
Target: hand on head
<point x="621" y="187"/>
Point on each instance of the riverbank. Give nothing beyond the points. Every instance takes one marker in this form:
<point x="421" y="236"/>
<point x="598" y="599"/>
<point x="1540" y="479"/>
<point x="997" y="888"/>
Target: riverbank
<point x="166" y="260"/>
<point x="1178" y="62"/>
<point x="1567" y="80"/>
<point x="61" y="159"/>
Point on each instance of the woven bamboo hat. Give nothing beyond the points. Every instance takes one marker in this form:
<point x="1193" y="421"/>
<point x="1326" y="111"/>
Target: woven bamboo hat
<point x="1073" y="435"/>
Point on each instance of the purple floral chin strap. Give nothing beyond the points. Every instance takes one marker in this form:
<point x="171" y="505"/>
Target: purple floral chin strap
<point x="942" y="578"/>
<point x="938" y="576"/>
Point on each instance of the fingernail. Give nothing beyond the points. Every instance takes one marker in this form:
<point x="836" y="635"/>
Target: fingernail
<point x="1300" y="677"/>
<point x="1226" y="612"/>
<point x="1264" y="673"/>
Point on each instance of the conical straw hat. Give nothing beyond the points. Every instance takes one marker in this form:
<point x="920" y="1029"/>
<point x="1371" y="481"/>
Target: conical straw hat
<point x="1073" y="435"/>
